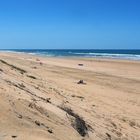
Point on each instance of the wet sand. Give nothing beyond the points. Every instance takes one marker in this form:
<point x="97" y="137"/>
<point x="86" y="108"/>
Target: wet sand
<point x="41" y="100"/>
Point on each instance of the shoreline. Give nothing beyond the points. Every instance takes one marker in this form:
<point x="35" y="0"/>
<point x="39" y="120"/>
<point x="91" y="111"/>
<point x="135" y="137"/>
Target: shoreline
<point x="73" y="56"/>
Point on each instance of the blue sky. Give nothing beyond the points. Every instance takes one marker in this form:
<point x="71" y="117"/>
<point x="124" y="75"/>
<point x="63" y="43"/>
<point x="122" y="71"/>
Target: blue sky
<point x="70" y="24"/>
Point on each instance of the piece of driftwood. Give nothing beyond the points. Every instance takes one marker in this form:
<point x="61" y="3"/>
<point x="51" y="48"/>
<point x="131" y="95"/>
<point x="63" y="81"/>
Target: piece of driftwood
<point x="81" y="82"/>
<point x="81" y="64"/>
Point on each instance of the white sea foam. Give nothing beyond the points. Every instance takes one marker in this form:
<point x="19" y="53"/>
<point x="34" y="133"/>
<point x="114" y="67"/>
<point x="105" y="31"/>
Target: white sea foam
<point x="110" y="55"/>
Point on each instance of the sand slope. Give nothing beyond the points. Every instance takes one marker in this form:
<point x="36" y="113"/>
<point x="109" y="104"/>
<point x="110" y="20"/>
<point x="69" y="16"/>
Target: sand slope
<point x="41" y="100"/>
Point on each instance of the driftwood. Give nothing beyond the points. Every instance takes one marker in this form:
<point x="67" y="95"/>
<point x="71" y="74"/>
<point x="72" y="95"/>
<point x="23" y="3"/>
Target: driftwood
<point x="81" y="82"/>
<point x="81" y="64"/>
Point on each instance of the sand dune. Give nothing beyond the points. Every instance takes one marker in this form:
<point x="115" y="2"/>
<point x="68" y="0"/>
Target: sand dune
<point x="41" y="100"/>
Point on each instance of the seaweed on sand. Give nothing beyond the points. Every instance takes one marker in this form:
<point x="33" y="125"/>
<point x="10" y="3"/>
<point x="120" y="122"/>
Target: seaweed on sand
<point x="79" y="124"/>
<point x="12" y="66"/>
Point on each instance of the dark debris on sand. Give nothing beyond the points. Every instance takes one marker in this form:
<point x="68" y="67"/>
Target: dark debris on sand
<point x="81" y="82"/>
<point x="79" y="124"/>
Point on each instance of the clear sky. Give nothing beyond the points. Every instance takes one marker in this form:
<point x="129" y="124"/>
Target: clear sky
<point x="70" y="24"/>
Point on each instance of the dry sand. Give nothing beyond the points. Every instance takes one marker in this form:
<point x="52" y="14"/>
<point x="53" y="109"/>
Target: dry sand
<point x="41" y="100"/>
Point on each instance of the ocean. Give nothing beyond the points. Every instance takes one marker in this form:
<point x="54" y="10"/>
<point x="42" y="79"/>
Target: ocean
<point x="95" y="53"/>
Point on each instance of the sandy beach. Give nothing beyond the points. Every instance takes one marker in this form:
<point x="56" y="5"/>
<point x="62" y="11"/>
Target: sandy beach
<point x="40" y="98"/>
